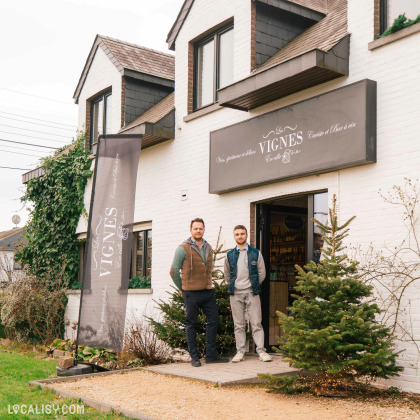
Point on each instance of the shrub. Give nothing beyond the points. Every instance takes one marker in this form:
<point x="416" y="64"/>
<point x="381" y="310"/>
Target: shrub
<point x="141" y="341"/>
<point x="171" y="328"/>
<point x="140" y="283"/>
<point x="32" y="309"/>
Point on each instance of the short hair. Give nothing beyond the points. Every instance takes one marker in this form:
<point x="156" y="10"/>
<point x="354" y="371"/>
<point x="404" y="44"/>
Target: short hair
<point x="197" y="219"/>
<point x="237" y="227"/>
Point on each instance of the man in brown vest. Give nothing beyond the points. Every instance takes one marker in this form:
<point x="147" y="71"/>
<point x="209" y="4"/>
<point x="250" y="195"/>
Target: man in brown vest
<point x="194" y="258"/>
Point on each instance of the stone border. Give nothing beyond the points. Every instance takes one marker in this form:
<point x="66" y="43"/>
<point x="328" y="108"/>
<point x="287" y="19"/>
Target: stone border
<point x="97" y="405"/>
<point x="394" y="37"/>
<point x="245" y="381"/>
<point x="86" y="375"/>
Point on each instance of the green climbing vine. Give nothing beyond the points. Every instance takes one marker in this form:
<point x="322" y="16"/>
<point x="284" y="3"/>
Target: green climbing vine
<point x="57" y="204"/>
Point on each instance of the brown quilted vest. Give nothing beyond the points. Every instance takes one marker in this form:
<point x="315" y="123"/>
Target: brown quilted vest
<point x="199" y="278"/>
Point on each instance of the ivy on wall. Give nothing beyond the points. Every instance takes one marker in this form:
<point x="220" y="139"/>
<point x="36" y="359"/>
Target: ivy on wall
<point x="57" y="204"/>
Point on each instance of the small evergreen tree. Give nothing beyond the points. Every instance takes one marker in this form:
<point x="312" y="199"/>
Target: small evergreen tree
<point x="333" y="331"/>
<point x="171" y="328"/>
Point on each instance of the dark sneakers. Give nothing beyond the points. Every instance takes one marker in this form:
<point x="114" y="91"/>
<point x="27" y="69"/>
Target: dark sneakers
<point x="217" y="359"/>
<point x="195" y="362"/>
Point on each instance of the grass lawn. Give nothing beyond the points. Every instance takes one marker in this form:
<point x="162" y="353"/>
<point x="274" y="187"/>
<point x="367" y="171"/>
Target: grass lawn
<point x="16" y="370"/>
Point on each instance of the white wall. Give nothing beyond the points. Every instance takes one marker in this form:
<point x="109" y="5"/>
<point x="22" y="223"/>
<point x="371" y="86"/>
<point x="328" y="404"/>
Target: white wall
<point x="168" y="168"/>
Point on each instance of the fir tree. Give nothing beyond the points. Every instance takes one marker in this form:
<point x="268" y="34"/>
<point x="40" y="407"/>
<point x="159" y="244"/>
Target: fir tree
<point x="171" y="327"/>
<point x="333" y="329"/>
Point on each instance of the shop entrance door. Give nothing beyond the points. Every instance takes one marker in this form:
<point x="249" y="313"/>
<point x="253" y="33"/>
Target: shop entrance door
<point x="286" y="234"/>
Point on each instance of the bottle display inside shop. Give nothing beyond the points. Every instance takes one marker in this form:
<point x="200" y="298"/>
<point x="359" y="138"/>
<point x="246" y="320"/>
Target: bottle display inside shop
<point x="287" y="248"/>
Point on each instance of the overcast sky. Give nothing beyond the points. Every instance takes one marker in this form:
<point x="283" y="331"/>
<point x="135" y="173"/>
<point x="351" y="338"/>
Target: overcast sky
<point x="44" y="46"/>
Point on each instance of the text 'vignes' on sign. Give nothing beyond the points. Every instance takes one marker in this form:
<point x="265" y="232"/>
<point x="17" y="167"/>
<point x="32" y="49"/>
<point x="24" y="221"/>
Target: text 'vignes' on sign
<point x="331" y="131"/>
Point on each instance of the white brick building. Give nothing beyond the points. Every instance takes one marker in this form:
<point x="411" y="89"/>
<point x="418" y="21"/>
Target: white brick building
<point x="314" y="47"/>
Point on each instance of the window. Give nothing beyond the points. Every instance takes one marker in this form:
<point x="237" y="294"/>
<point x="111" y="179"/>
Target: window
<point x="213" y="66"/>
<point x="142" y="254"/>
<point x="82" y="255"/>
<point x="391" y="9"/>
<point x="100" y="117"/>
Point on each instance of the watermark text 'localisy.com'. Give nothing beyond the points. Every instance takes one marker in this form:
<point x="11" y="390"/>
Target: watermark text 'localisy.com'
<point x="46" y="409"/>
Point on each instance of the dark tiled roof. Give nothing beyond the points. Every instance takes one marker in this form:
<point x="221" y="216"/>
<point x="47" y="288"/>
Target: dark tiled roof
<point x="318" y="5"/>
<point x="7" y="233"/>
<point x="140" y="59"/>
<point x="154" y="114"/>
<point x="176" y="27"/>
<point x="127" y="56"/>
<point x="324" y="35"/>
<point x="9" y="239"/>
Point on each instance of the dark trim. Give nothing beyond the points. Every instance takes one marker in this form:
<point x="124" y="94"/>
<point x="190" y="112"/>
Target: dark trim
<point x="310" y="230"/>
<point x="383" y="16"/>
<point x="371" y="119"/>
<point x="148" y="78"/>
<point x="299" y="73"/>
<point x="263" y="244"/>
<point x="288" y="6"/>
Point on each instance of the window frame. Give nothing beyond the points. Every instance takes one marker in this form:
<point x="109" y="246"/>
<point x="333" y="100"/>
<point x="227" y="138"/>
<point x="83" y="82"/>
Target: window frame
<point x="102" y="97"/>
<point x="145" y="252"/>
<point x="383" y="16"/>
<point x="215" y="37"/>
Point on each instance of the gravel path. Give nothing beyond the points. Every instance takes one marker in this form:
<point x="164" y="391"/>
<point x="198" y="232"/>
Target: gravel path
<point x="165" y="397"/>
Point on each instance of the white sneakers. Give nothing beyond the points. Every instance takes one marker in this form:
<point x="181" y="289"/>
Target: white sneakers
<point x="265" y="357"/>
<point x="239" y="356"/>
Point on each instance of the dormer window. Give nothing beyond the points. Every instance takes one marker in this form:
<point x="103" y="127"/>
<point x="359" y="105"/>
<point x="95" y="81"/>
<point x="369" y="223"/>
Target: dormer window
<point x="213" y="66"/>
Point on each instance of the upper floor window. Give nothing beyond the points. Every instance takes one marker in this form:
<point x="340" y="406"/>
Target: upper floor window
<point x="100" y="117"/>
<point x="213" y="66"/>
<point x="391" y="9"/>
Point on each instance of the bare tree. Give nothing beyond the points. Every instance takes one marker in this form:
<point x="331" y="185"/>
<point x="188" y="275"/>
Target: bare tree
<point x="394" y="270"/>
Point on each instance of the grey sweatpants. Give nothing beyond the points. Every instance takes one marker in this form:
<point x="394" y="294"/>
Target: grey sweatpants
<point x="252" y="304"/>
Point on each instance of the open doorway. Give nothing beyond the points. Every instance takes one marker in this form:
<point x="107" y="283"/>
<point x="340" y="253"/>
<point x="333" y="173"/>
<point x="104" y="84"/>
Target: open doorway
<point x="287" y="237"/>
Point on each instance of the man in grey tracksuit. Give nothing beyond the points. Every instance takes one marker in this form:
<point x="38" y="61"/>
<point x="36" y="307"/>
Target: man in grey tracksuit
<point x="244" y="272"/>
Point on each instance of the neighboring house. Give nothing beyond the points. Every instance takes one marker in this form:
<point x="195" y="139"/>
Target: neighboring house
<point x="280" y="105"/>
<point x="9" y="240"/>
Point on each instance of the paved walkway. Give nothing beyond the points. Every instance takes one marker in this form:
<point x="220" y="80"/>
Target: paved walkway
<point x="245" y="372"/>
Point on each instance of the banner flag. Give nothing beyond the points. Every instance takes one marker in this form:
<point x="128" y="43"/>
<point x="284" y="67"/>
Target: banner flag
<point x="109" y="243"/>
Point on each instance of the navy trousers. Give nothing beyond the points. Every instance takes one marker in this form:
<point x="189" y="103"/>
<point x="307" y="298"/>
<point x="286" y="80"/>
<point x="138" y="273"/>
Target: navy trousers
<point x="206" y="300"/>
